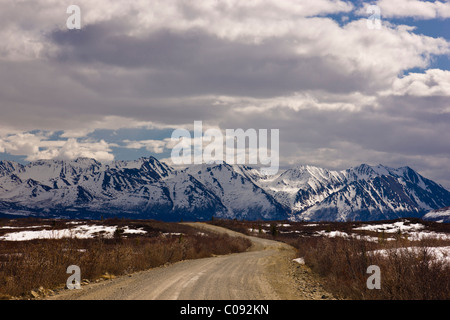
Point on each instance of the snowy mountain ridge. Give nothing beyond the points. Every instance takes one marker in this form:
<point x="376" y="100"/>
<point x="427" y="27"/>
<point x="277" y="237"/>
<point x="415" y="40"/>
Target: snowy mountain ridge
<point x="440" y="215"/>
<point x="148" y="188"/>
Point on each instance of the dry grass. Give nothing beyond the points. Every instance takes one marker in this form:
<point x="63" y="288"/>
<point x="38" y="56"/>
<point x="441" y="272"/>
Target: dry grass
<point x="342" y="263"/>
<point x="405" y="274"/>
<point x="29" y="265"/>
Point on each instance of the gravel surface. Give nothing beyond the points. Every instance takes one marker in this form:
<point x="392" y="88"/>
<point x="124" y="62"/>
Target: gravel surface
<point x="265" y="272"/>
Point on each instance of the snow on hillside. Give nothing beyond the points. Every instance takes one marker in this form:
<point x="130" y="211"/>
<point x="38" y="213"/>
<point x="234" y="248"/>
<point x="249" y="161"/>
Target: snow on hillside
<point x="236" y="191"/>
<point x="439" y="215"/>
<point x="413" y="231"/>
<point x="303" y="186"/>
<point x="148" y="188"/>
<point x="399" y="226"/>
<point x="438" y="254"/>
<point x="7" y="167"/>
<point x="79" y="232"/>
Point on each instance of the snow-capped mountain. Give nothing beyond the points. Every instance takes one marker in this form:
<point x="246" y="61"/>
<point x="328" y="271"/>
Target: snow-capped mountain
<point x="301" y="187"/>
<point x="360" y="193"/>
<point x="440" y="215"/>
<point x="148" y="188"/>
<point x="239" y="194"/>
<point x="7" y="167"/>
<point x="144" y="188"/>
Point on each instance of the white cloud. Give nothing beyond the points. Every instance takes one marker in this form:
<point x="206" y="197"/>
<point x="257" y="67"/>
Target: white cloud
<point x="380" y="54"/>
<point x="109" y="123"/>
<point x="72" y="149"/>
<point x="412" y="8"/>
<point x="37" y="147"/>
<point x="434" y="82"/>
<point x="230" y="19"/>
<point x="20" y="144"/>
<point x="308" y="99"/>
<point x="231" y="63"/>
<point x="155" y="146"/>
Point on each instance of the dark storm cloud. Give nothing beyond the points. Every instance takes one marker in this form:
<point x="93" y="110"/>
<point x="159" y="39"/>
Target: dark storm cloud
<point x="376" y="129"/>
<point x="212" y="66"/>
<point x="196" y="63"/>
<point x="430" y="110"/>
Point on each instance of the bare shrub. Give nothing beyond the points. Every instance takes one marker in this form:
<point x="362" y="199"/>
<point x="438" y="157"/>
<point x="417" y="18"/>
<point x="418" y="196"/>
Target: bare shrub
<point x="29" y="265"/>
<point x="406" y="274"/>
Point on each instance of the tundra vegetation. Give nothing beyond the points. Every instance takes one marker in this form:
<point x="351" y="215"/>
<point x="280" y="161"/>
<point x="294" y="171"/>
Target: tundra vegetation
<point x="413" y="255"/>
<point x="33" y="267"/>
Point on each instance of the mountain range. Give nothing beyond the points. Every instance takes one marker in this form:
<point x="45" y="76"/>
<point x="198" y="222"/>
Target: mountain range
<point x="147" y="188"/>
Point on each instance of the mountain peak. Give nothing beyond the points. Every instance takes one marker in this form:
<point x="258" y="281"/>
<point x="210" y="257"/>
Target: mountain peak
<point x="7" y="166"/>
<point x="85" y="160"/>
<point x="148" y="188"/>
<point x="79" y="162"/>
<point x="307" y="172"/>
<point x="366" y="171"/>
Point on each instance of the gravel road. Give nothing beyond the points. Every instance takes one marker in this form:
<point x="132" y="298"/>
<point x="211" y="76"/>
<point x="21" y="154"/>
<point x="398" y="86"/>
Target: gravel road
<point x="264" y="272"/>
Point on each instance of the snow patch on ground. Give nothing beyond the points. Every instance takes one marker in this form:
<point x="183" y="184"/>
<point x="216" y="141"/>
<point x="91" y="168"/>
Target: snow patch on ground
<point x="413" y="231"/>
<point x="333" y="234"/>
<point x="79" y="232"/>
<point x="29" y="227"/>
<point x="441" y="254"/>
<point x="392" y="227"/>
<point x="299" y="260"/>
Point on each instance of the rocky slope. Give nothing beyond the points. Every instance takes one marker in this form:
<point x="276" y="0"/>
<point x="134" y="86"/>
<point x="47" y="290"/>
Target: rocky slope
<point x="148" y="188"/>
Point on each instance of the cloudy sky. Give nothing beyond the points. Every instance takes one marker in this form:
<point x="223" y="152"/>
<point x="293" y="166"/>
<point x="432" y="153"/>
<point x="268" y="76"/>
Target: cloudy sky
<point x="340" y="93"/>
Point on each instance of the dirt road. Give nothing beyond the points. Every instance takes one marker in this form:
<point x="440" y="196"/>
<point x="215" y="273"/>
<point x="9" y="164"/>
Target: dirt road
<point x="264" y="272"/>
